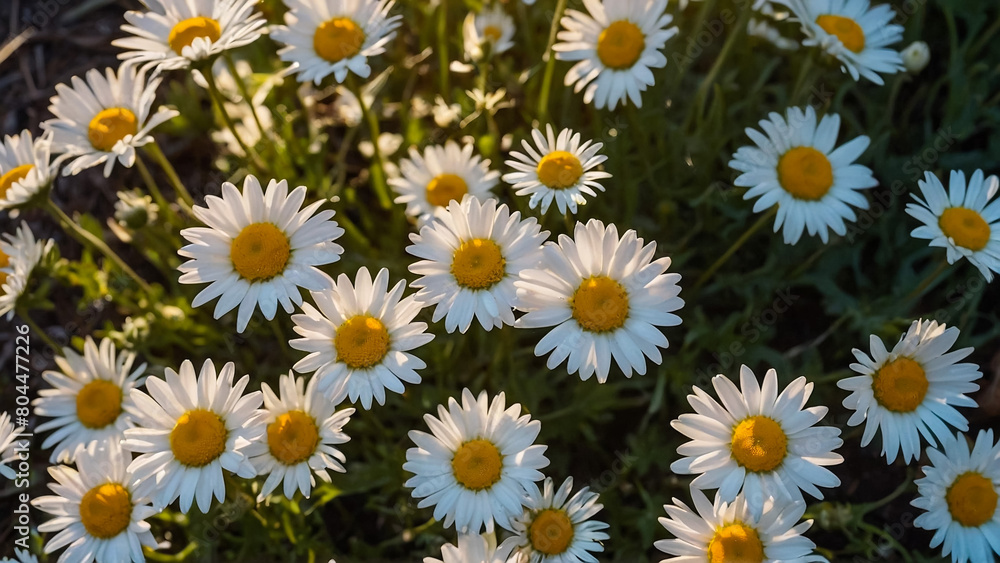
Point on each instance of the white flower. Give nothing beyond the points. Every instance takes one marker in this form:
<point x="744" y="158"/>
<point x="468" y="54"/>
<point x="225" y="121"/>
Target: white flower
<point x="961" y="219"/>
<point x="491" y="27"/>
<point x="26" y="169"/>
<point x="303" y="427"/>
<point x="474" y="548"/>
<point x="100" y="510"/>
<point x="916" y="57"/>
<point x="104" y="119"/>
<point x="731" y="532"/>
<point x="561" y="169"/>
<point x="557" y="528"/>
<point x="89" y="401"/>
<point x="477" y="465"/>
<point x="135" y="210"/>
<point x="191" y="428"/>
<point x="912" y="391"/>
<point x="605" y="296"/>
<point x="324" y="37"/>
<point x="21" y="556"/>
<point x="959" y="491"/>
<point x="766" y="31"/>
<point x="761" y="443"/>
<point x="359" y="338"/>
<point x="175" y="33"/>
<point x="470" y="259"/>
<point x="616" y="44"/>
<point x="794" y="166"/>
<point x="259" y="248"/>
<point x="19" y="254"/>
<point x="445" y="114"/>
<point x="8" y="436"/>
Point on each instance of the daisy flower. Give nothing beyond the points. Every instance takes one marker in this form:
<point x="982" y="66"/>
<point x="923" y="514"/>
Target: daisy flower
<point x="191" y="428"/>
<point x="25" y="169"/>
<point x="852" y="31"/>
<point x="795" y="166"/>
<point x="104" y="119"/>
<point x="961" y="219"/>
<point x="476" y="467"/>
<point x="470" y="259"/>
<point x="605" y="296"/>
<point x="429" y="182"/>
<point x="258" y="249"/>
<point x="617" y="44"/>
<point x="911" y="392"/>
<point x="557" y="528"/>
<point x="302" y="430"/>
<point x="474" y="548"/>
<point x="100" y="510"/>
<point x="90" y="401"/>
<point x="359" y="337"/>
<point x="731" y="532"/>
<point x="8" y="435"/>
<point x="174" y="34"/>
<point x="561" y="169"/>
<point x="324" y="37"/>
<point x="959" y="491"/>
<point x="21" y="556"/>
<point x="491" y="28"/>
<point x="757" y="441"/>
<point x="20" y="253"/>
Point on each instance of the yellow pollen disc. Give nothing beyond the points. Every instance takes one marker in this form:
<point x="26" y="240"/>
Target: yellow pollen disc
<point x="13" y="176"/>
<point x="185" y="32"/>
<point x="477" y="465"/>
<point x="98" y="404"/>
<point x="759" y="444"/>
<point x="478" y="264"/>
<point x="600" y="304"/>
<point x="110" y="126"/>
<point x="900" y="385"/>
<point x="260" y="251"/>
<point x="106" y="510"/>
<point x="620" y="45"/>
<point x="4" y="262"/>
<point x="551" y="532"/>
<point x="972" y="499"/>
<point x="445" y="188"/>
<point x="846" y="29"/>
<point x="493" y="33"/>
<point x="805" y="173"/>
<point x="361" y="342"/>
<point x="198" y="438"/>
<point x="966" y="227"/>
<point x="735" y="543"/>
<point x="560" y="170"/>
<point x="338" y="39"/>
<point x="293" y="437"/>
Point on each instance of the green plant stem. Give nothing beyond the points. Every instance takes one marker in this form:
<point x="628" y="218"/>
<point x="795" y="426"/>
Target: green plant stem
<point x="888" y="538"/>
<point x="248" y="98"/>
<point x="87" y="238"/>
<point x="220" y="102"/>
<point x="377" y="167"/>
<point x="444" y="62"/>
<point x="738" y="33"/>
<point x="928" y="281"/>
<point x="183" y="196"/>
<point x="35" y="329"/>
<point x="154" y="190"/>
<point x="764" y="219"/>
<point x="550" y="64"/>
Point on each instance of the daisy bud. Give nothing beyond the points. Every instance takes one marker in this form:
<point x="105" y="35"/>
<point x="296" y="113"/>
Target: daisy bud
<point x="916" y="56"/>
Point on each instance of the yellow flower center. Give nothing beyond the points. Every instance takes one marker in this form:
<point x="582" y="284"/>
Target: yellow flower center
<point x="478" y="264"/>
<point x="106" y="510"/>
<point x="735" y="543"/>
<point x="293" y="437"/>
<point x="98" y="404"/>
<point x="900" y="385"/>
<point x="551" y="531"/>
<point x="185" y="32"/>
<point x="493" y="33"/>
<point x="110" y="126"/>
<point x="4" y="262"/>
<point x="338" y="39"/>
<point x="966" y="227"/>
<point x="13" y="176"/>
<point x="846" y="29"/>
<point x="759" y="443"/>
<point x="260" y="251"/>
<point x="477" y="465"/>
<point x="805" y="173"/>
<point x="198" y="438"/>
<point x="361" y="342"/>
<point x="445" y="188"/>
<point x="560" y="170"/>
<point x="620" y="45"/>
<point x="972" y="499"/>
<point x="600" y="304"/>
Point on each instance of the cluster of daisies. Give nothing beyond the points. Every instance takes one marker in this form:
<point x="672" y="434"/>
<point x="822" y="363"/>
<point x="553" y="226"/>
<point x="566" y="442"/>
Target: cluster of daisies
<point x="141" y="443"/>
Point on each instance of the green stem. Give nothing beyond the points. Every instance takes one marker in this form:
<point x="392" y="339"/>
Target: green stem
<point x="920" y="289"/>
<point x="898" y="547"/>
<point x="220" y="102"/>
<point x="444" y="62"/>
<point x="738" y="33"/>
<point x="764" y="219"/>
<point x="35" y="329"/>
<point x="377" y="167"/>
<point x="87" y="238"/>
<point x="154" y="190"/>
<point x="550" y="64"/>
<point x="180" y="192"/>
<point x="248" y="98"/>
